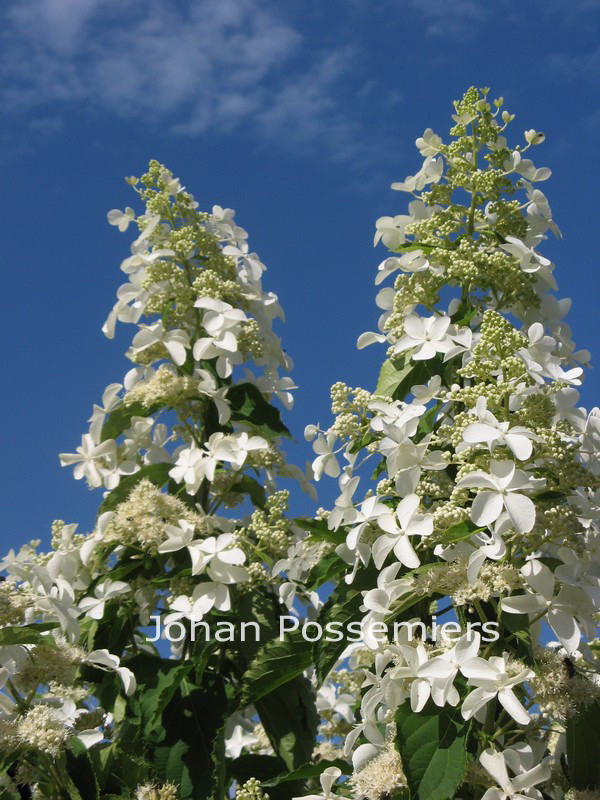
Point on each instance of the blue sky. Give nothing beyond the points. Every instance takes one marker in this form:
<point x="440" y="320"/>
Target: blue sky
<point x="297" y="114"/>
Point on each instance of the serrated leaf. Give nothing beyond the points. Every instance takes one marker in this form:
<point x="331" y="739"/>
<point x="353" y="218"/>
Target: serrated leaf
<point x="290" y="720"/>
<point x="397" y="382"/>
<point x="432" y="745"/>
<point x="288" y="713"/>
<point x="275" y="664"/>
<point x="190" y="723"/>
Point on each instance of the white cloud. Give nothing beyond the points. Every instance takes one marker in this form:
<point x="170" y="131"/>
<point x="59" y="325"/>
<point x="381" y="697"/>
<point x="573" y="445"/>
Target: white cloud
<point x="200" y="67"/>
<point x="459" y="19"/>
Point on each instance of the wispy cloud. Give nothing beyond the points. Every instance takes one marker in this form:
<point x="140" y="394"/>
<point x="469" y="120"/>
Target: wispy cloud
<point x="458" y="19"/>
<point x="200" y="67"/>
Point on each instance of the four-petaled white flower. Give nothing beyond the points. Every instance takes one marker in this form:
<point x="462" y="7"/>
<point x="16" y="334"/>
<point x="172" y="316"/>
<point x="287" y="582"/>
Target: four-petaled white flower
<point x="326" y="462"/>
<point x="398" y="527"/>
<point x="560" y="609"/>
<point x="121" y="218"/>
<point x="492" y="678"/>
<point x="427" y="335"/>
<point x="175" y="342"/>
<point x="94" y="606"/>
<point x="93" y="461"/>
<point x="492" y="432"/>
<point x="526" y="775"/>
<point x="502" y="490"/>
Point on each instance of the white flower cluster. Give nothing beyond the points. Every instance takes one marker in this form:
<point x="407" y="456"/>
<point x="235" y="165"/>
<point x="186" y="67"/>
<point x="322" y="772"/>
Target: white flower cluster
<point x="69" y="617"/>
<point x="488" y="473"/>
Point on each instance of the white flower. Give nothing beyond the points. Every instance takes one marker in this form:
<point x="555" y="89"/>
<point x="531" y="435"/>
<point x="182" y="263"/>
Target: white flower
<point x="121" y="218"/>
<point x="93" y="461"/>
<point x="493" y="432"/>
<point x="110" y="401"/>
<point x="271" y="384"/>
<point x="417" y="669"/>
<point x="442" y="686"/>
<point x="175" y="341"/>
<point x="238" y="740"/>
<point x="327" y="778"/>
<point x="370" y="511"/>
<point x="530" y="261"/>
<point x="326" y="462"/>
<point x="219" y="316"/>
<point x="391" y="230"/>
<point x="491" y="679"/>
<point x="233" y="448"/>
<point x="105" y="660"/>
<point x="220" y="559"/>
<point x="344" y="512"/>
<point x="191" y="467"/>
<point x="208" y="387"/>
<point x="427" y="335"/>
<point x="541" y="360"/>
<point x="490" y="544"/>
<point x="94" y="606"/>
<point x="520" y="786"/>
<point x="560" y="609"/>
<point x="429" y="144"/>
<point x="430" y="172"/>
<point x="424" y="393"/>
<point x="502" y="489"/>
<point x="410" y="524"/>
<point x="223" y="347"/>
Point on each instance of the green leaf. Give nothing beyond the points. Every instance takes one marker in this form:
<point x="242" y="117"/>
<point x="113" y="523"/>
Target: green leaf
<point x="397" y="382"/>
<point x="309" y="771"/>
<point x="458" y="532"/>
<point x="343" y="606"/>
<point x="190" y="723"/>
<point x="217" y="757"/>
<point x="390" y="378"/>
<point x="319" y="531"/>
<point x="116" y="769"/>
<point x="326" y="569"/>
<point x="250" y="765"/>
<point x="275" y="664"/>
<point x="120" y="419"/>
<point x="250" y="486"/>
<point x="158" y="474"/>
<point x="427" y="422"/>
<point x="155" y="696"/>
<point x="249" y="405"/>
<point x="583" y="747"/>
<point x="81" y="770"/>
<point x="432" y="745"/>
<point x="288" y="713"/>
<point x="518" y="626"/>
<point x="290" y="720"/>
<point x="25" y="634"/>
